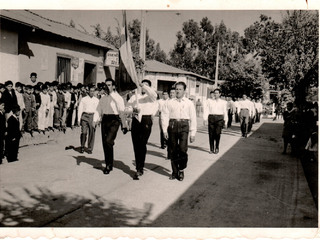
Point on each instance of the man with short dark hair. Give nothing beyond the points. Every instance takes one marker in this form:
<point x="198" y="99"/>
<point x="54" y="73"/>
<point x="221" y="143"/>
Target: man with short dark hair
<point x="245" y="111"/>
<point x="33" y="78"/>
<point x="216" y="113"/>
<point x="111" y="112"/>
<point x="143" y="107"/>
<point x="178" y="119"/>
<point x="88" y="118"/>
<point x="9" y="98"/>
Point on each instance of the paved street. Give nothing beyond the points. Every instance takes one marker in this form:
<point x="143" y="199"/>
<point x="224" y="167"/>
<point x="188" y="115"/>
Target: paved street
<point x="248" y="184"/>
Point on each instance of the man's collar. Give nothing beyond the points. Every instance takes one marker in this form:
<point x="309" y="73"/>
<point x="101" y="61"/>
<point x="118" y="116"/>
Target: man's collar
<point x="180" y="99"/>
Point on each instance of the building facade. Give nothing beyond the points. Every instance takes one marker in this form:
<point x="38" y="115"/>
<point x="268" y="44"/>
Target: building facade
<point x="163" y="77"/>
<point x="55" y="51"/>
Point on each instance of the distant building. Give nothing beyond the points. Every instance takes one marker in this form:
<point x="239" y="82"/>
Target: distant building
<point x="164" y="76"/>
<point x="55" y="51"/>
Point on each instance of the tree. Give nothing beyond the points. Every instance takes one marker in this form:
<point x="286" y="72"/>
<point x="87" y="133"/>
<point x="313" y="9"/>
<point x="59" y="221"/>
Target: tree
<point x="97" y="31"/>
<point x="288" y="50"/>
<point x="196" y="50"/>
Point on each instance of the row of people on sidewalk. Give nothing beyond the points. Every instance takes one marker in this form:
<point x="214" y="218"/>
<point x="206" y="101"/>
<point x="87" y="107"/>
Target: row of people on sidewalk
<point x="300" y="130"/>
<point x="45" y="106"/>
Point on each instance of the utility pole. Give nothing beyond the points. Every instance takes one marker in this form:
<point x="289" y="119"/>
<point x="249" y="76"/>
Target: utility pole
<point x="217" y="67"/>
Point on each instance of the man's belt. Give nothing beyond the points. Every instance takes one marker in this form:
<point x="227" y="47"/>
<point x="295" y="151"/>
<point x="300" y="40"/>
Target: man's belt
<point x="111" y="115"/>
<point x="179" y="120"/>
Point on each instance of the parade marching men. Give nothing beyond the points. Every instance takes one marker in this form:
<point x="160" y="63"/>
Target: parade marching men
<point x="178" y="120"/>
<point x="143" y="107"/>
<point x="245" y="112"/>
<point x="87" y="119"/>
<point x="259" y="109"/>
<point x="161" y="102"/>
<point x="216" y="114"/>
<point x="111" y="111"/>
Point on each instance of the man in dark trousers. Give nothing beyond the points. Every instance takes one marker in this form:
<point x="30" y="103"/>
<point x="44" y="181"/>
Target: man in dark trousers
<point x="88" y="118"/>
<point x="13" y="135"/>
<point x="178" y="119"/>
<point x="143" y="108"/>
<point x="245" y="111"/>
<point x="216" y="113"/>
<point x="111" y="112"/>
<point x="2" y="130"/>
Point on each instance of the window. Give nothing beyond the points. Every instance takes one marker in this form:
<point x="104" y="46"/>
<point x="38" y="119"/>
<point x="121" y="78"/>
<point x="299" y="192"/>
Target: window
<point x="198" y="88"/>
<point x="63" y="70"/>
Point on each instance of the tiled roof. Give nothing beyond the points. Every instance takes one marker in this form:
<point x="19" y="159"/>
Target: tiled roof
<point x="156" y="66"/>
<point x="34" y="20"/>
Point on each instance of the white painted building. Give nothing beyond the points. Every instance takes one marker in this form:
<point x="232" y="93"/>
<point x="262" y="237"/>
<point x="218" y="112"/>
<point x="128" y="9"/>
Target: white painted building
<point x="163" y="77"/>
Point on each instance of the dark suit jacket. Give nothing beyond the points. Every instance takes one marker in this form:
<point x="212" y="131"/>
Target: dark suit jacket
<point x="13" y="129"/>
<point x="2" y="125"/>
<point x="9" y="100"/>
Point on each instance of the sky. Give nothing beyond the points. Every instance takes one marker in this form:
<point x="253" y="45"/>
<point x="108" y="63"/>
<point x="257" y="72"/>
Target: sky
<point x="163" y="25"/>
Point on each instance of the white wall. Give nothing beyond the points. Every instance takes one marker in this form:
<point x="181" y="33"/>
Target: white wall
<point x="9" y="67"/>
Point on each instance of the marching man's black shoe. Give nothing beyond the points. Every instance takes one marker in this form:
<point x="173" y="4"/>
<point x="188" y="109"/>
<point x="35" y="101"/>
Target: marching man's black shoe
<point x="173" y="176"/>
<point x="107" y="170"/>
<point x="137" y="175"/>
<point x="82" y="150"/>
<point x="180" y="175"/>
<point x="216" y="151"/>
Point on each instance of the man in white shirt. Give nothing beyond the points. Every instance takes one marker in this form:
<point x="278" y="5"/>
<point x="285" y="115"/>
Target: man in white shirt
<point x="53" y="103"/>
<point x="259" y="109"/>
<point x="245" y="111"/>
<point x="161" y="102"/>
<point x="143" y="108"/>
<point x="20" y="101"/>
<point x="252" y="115"/>
<point x="88" y="118"/>
<point x="231" y="110"/>
<point x="216" y="113"/>
<point x="178" y="119"/>
<point x="111" y="112"/>
<point x="33" y="79"/>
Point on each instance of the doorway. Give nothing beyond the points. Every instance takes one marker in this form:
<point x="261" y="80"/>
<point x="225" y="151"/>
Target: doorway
<point x="165" y="85"/>
<point x="90" y="71"/>
<point x="63" y="70"/>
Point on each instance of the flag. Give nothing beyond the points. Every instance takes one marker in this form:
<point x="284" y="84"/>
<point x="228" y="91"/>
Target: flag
<point x="126" y="52"/>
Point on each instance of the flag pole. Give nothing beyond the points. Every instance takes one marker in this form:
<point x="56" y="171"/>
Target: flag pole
<point x="142" y="48"/>
<point x="217" y="67"/>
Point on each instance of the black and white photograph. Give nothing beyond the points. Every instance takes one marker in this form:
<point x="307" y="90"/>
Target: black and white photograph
<point x="162" y="118"/>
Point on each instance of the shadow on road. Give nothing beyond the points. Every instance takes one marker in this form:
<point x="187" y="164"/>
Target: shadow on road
<point x="251" y="185"/>
<point x="48" y="209"/>
<point x="95" y="163"/>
